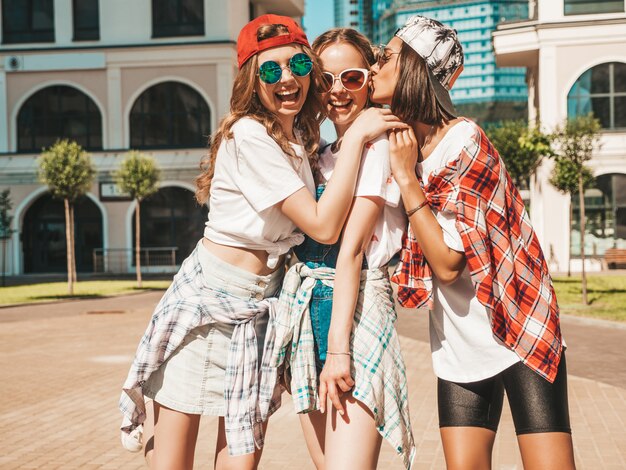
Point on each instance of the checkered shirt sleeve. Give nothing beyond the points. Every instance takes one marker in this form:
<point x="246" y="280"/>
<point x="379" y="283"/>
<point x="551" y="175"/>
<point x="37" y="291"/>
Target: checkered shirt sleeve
<point x="507" y="266"/>
<point x="187" y="304"/>
<point x="377" y="364"/>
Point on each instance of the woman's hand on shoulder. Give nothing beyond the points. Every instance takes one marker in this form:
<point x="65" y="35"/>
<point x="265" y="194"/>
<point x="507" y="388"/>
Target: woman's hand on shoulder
<point x="335" y="379"/>
<point x="373" y="122"/>
<point x="403" y="151"/>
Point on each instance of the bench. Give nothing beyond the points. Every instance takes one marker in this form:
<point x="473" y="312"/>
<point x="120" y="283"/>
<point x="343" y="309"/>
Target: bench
<point x="615" y="258"/>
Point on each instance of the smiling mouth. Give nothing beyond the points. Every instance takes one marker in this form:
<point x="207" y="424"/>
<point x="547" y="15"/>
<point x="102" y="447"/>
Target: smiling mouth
<point x="288" y="96"/>
<point x="343" y="104"/>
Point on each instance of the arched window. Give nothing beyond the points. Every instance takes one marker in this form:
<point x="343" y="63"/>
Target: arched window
<point x="605" y="214"/>
<point x="43" y="235"/>
<point x="601" y="90"/>
<point x="169" y="115"/>
<point x="171" y="218"/>
<point x="58" y="112"/>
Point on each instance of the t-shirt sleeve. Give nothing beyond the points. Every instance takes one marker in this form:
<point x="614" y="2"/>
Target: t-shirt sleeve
<point x="451" y="236"/>
<point x="375" y="177"/>
<point x="266" y="175"/>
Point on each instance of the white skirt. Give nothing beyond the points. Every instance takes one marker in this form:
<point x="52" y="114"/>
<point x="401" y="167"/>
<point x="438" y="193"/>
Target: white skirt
<point x="192" y="379"/>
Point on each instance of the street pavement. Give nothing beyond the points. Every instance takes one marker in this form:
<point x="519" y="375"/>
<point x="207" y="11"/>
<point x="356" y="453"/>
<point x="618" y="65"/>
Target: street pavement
<point x="62" y="366"/>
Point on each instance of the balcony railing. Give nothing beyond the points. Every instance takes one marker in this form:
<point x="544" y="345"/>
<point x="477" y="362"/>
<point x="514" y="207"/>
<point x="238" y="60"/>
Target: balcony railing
<point x="121" y="260"/>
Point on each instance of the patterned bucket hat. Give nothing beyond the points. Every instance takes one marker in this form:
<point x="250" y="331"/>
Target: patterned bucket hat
<point x="440" y="48"/>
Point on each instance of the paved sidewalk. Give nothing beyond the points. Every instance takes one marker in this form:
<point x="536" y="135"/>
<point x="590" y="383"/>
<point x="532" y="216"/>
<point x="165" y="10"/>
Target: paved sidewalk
<point x="62" y="369"/>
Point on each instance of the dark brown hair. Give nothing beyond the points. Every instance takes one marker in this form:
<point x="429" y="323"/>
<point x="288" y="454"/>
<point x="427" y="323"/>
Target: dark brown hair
<point x="244" y="102"/>
<point x="414" y="97"/>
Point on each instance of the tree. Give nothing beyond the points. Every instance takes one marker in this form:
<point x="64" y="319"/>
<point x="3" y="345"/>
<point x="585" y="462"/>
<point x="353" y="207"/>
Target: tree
<point x="565" y="179"/>
<point x="575" y="141"/>
<point x="521" y="147"/>
<point x="68" y="172"/>
<point x="5" y="227"/>
<point x="138" y="176"/>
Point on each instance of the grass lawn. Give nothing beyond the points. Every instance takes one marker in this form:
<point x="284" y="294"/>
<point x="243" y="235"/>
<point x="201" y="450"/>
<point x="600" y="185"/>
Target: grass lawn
<point x="83" y="289"/>
<point x="606" y="295"/>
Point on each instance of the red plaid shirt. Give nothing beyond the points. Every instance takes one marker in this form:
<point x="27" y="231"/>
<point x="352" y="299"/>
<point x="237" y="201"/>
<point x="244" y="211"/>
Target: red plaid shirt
<point x="506" y="264"/>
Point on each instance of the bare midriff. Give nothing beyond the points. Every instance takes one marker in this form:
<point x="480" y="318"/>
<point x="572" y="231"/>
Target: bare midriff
<point x="254" y="261"/>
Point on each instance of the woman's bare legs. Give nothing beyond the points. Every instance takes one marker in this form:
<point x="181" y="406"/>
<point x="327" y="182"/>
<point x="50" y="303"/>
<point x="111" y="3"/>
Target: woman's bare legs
<point x="471" y="448"/>
<point x="338" y="442"/>
<point x="352" y="440"/>
<point x="223" y="461"/>
<point x="314" y="429"/>
<point x="467" y="448"/>
<point x="547" y="451"/>
<point x="175" y="435"/>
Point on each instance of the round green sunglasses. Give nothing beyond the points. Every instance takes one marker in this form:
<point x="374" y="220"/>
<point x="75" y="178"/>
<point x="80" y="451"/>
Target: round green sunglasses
<point x="300" y="65"/>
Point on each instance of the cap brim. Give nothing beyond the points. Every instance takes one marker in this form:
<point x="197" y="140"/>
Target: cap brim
<point x="443" y="95"/>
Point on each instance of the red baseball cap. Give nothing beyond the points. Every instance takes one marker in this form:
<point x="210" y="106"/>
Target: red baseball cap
<point x="248" y="45"/>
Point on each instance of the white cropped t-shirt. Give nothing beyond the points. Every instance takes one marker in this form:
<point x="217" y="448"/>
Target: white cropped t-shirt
<point x="252" y="175"/>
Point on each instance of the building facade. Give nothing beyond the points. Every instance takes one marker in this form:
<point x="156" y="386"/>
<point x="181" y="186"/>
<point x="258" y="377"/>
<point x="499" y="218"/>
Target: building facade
<point x="114" y="75"/>
<point x="483" y="91"/>
<point x="355" y="14"/>
<point x="575" y="53"/>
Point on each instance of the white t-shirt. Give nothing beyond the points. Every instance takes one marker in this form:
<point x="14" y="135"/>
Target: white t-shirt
<point x="463" y="346"/>
<point x="253" y="174"/>
<point x="375" y="180"/>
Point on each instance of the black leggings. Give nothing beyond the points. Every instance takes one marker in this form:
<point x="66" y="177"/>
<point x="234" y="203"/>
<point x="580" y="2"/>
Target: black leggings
<point x="536" y="405"/>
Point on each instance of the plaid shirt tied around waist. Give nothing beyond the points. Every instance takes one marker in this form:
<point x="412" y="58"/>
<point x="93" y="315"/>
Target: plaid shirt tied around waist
<point x="377" y="365"/>
<point x="187" y="304"/>
<point x="507" y="266"/>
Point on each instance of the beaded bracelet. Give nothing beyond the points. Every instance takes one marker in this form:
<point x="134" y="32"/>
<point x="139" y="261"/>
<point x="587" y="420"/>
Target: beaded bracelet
<point x="415" y="209"/>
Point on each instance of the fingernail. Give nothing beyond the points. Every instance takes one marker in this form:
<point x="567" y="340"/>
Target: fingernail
<point x="341" y="412"/>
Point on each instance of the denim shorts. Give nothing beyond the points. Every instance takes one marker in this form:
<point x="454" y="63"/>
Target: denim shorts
<point x="320" y="309"/>
<point x="191" y="380"/>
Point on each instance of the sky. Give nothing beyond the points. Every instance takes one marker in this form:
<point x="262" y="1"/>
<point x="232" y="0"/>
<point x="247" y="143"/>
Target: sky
<point x="319" y="15"/>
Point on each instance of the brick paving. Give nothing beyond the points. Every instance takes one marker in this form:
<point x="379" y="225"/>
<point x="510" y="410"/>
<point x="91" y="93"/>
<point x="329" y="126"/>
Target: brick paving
<point x="62" y="369"/>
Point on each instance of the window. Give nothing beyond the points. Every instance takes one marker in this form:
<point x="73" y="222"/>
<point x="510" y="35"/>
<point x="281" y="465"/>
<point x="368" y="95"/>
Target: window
<point x="43" y="235"/>
<point x="172" y="18"/>
<point x="58" y="112"/>
<point x="86" y="20"/>
<point x="169" y="115"/>
<point x="605" y="215"/>
<point x="25" y="21"/>
<point x="171" y="217"/>
<point x="602" y="91"/>
<point x="585" y="7"/>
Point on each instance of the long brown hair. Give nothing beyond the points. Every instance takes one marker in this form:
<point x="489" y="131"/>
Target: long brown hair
<point x="345" y="35"/>
<point x="414" y="97"/>
<point x="244" y="102"/>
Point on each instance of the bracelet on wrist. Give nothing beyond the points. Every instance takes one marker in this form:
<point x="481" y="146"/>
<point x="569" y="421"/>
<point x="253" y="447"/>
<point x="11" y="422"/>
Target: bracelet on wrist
<point x="424" y="203"/>
<point x="339" y="353"/>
